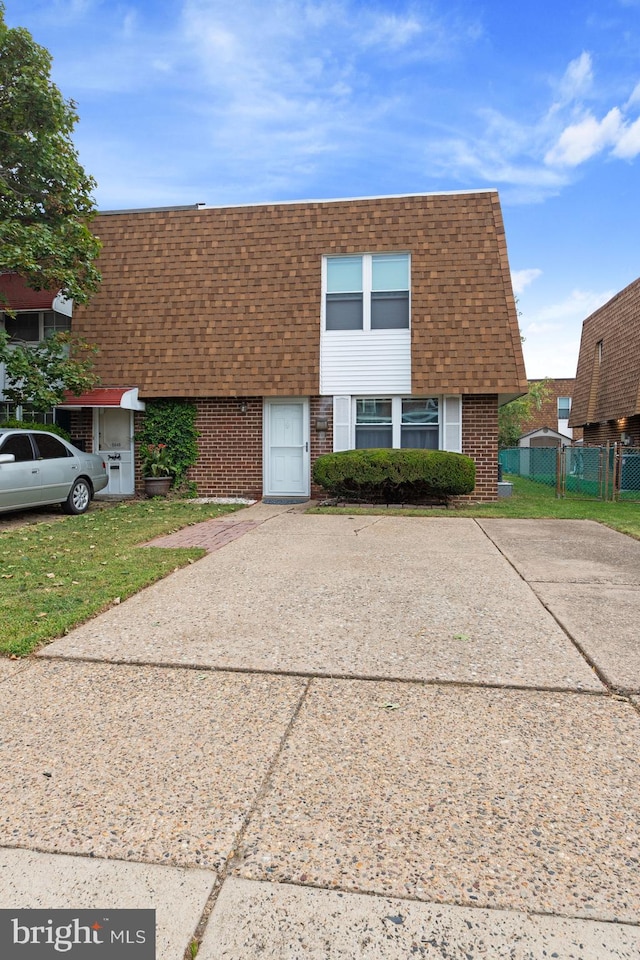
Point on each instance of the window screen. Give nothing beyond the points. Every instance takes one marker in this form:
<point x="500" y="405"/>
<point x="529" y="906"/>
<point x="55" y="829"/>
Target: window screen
<point x="374" y="424"/>
<point x="419" y="427"/>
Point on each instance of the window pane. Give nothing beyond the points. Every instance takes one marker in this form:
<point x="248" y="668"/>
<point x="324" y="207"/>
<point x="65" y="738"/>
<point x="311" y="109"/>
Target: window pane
<point x="37" y="416"/>
<point x="420" y="411"/>
<point x="344" y="311"/>
<point x="24" y="326"/>
<point x="564" y="408"/>
<point x="371" y="438"/>
<point x="389" y="311"/>
<point x="55" y="323"/>
<point x="50" y="448"/>
<point x="390" y="272"/>
<point x="373" y="411"/>
<point x="420" y="438"/>
<point x="344" y="275"/>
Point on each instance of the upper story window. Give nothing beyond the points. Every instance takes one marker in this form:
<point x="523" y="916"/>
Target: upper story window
<point x="369" y="292"/>
<point x="34" y="326"/>
<point x="564" y="408"/>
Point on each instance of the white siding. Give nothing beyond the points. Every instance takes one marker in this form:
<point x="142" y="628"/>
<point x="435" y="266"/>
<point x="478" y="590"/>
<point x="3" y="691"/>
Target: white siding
<point x="361" y="362"/>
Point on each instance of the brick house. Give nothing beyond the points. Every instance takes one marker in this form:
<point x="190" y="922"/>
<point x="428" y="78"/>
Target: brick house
<point x="305" y="327"/>
<point x="607" y="394"/>
<point x="549" y="426"/>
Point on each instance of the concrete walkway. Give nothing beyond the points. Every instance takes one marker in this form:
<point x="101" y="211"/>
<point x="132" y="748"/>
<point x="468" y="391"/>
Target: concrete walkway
<point x="341" y="737"/>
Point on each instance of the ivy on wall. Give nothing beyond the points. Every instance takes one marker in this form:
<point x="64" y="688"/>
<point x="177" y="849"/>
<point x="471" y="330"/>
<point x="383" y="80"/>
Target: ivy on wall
<point x="172" y="422"/>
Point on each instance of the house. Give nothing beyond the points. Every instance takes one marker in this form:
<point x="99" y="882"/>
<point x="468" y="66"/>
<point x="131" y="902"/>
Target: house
<point x="606" y="401"/>
<point x="549" y="426"/>
<point x="301" y="328"/>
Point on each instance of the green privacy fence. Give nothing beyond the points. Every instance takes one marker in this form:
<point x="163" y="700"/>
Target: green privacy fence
<point x="611" y="472"/>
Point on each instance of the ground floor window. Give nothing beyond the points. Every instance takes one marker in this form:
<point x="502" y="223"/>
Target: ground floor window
<point x="423" y="423"/>
<point x="13" y="411"/>
<point x="397" y="422"/>
<point x="374" y="423"/>
<point x="420" y="425"/>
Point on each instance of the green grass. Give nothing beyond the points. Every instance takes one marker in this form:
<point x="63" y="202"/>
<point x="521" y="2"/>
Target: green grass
<point x="55" y="575"/>
<point x="530" y="500"/>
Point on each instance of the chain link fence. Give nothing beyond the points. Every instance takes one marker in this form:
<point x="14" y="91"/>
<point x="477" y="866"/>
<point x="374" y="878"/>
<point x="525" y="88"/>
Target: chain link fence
<point x="611" y="472"/>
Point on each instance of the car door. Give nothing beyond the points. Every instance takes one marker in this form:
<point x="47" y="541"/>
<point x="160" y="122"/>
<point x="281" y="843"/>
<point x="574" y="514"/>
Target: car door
<point x="58" y="467"/>
<point x="19" y="481"/>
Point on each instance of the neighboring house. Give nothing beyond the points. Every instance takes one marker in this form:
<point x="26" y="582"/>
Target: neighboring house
<point x="300" y="328"/>
<point x="607" y="394"/>
<point x="37" y="315"/>
<point x="549" y="426"/>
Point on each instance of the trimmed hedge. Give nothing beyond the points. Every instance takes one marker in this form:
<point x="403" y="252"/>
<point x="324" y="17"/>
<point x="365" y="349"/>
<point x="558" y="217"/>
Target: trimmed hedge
<point x="395" y="476"/>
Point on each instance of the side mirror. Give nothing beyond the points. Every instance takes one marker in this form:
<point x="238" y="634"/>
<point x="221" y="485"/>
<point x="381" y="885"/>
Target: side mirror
<point x="7" y="458"/>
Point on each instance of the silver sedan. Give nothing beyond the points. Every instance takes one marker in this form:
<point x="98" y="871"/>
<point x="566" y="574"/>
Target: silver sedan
<point x="38" y="468"/>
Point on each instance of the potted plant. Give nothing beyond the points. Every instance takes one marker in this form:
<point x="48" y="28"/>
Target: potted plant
<point x="157" y="469"/>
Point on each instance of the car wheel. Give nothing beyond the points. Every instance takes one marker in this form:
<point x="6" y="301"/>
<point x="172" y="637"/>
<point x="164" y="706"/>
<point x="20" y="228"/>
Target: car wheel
<point x="79" y="497"/>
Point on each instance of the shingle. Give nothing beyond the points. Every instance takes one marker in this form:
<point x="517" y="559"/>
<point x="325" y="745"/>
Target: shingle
<point x="219" y="302"/>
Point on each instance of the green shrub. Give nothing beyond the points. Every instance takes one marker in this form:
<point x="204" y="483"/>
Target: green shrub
<point x="28" y="425"/>
<point x="172" y="423"/>
<point x="395" y="476"/>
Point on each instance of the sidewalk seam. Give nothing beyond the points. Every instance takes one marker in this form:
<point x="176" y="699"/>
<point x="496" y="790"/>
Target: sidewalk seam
<point x="609" y="688"/>
<point x="234" y="857"/>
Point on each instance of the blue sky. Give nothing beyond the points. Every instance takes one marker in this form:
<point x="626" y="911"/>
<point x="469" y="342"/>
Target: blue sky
<point x="242" y="101"/>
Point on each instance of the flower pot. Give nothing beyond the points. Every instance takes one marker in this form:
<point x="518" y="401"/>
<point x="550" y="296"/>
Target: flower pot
<point x="157" y="486"/>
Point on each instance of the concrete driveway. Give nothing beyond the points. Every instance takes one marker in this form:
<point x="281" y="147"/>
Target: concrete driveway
<point x="344" y="737"/>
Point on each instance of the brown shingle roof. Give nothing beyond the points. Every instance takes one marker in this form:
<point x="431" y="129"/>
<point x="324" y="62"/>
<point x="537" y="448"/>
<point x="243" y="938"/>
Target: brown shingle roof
<point x="609" y="389"/>
<point x="226" y="301"/>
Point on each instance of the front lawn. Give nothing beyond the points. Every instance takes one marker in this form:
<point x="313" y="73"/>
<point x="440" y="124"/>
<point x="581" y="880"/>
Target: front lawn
<point x="57" y="574"/>
<point x="530" y="500"/>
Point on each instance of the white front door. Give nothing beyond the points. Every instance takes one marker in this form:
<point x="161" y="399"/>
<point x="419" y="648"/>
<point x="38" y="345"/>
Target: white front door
<point x="286" y="448"/>
<point x="113" y="428"/>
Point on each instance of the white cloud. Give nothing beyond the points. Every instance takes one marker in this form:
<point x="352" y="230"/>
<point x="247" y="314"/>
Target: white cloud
<point x="520" y="279"/>
<point x="531" y="159"/>
<point x="628" y="145"/>
<point x="634" y="97"/>
<point x="552" y="332"/>
<point x="581" y="141"/>
<point x="392" y="31"/>
<point x="577" y="78"/>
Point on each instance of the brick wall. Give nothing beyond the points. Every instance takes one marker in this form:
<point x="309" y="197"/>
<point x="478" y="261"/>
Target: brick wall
<point x="321" y="441"/>
<point x="480" y="441"/>
<point x="82" y="428"/>
<point x="230" y="444"/>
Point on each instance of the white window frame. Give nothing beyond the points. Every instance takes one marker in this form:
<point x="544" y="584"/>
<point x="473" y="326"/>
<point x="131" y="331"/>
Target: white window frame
<point x="449" y="419"/>
<point x="57" y="317"/>
<point x="367" y="289"/>
<point x="396" y="417"/>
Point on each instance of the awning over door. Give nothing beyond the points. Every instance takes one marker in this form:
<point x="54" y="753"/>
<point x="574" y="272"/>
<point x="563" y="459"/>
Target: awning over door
<point x="124" y="397"/>
<point x="16" y="294"/>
